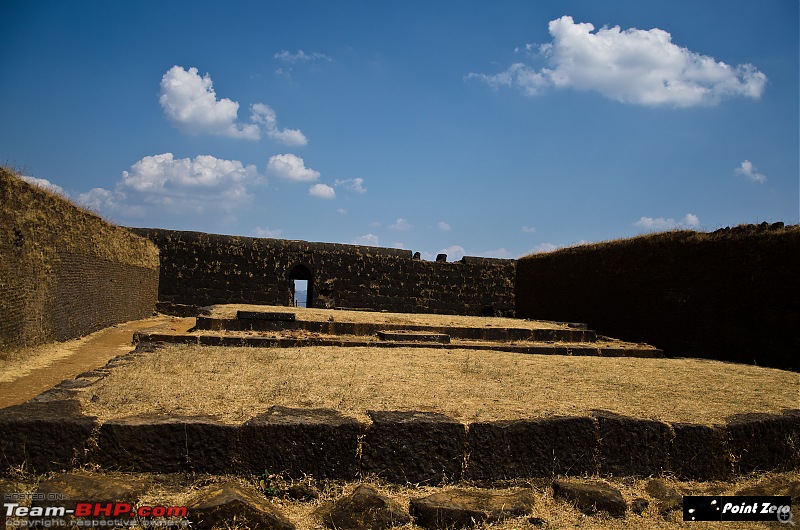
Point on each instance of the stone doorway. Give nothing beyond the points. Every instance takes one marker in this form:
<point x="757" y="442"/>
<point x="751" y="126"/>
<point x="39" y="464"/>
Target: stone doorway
<point x="301" y="279"/>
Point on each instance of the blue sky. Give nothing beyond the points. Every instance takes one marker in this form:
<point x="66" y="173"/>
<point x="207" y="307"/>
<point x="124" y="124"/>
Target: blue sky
<point x="478" y="128"/>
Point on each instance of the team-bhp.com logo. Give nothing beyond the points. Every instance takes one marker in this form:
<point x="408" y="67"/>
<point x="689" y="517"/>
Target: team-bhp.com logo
<point x="95" y="514"/>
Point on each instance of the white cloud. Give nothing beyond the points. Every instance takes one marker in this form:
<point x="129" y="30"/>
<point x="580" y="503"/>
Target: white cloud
<point x="642" y="67"/>
<point x="102" y="201"/>
<point x="549" y="247"/>
<point x="300" y="56"/>
<point x="497" y="253"/>
<point x="356" y="184"/>
<point x="162" y="183"/>
<point x="400" y="225"/>
<point x="322" y="191"/>
<point x="544" y="247"/>
<point x="748" y="170"/>
<point x="454" y="253"/>
<point x="529" y="229"/>
<point x="691" y="220"/>
<point x="264" y="115"/>
<point x="163" y="173"/>
<point x="518" y="76"/>
<point x="45" y="185"/>
<point x="291" y="167"/>
<point x="266" y="232"/>
<point x="190" y="103"/>
<point x="660" y="223"/>
<point x="341" y="211"/>
<point x="444" y="227"/>
<point x="370" y="240"/>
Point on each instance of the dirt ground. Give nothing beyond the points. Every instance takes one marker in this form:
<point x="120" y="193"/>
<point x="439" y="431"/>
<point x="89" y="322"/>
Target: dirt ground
<point x="30" y="372"/>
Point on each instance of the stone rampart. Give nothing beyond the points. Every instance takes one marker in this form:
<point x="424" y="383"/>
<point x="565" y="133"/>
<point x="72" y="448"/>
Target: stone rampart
<point x="64" y="272"/>
<point x="730" y="295"/>
<point x="201" y="269"/>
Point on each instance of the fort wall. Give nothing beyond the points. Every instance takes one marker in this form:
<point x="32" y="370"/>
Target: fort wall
<point x="731" y="295"/>
<point x="64" y="272"/>
<point x="199" y="269"/>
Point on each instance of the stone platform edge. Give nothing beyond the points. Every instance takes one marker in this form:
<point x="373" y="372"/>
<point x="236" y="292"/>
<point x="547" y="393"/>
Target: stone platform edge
<point x="575" y="334"/>
<point x="397" y="446"/>
<point x="578" y="349"/>
<point x="50" y="433"/>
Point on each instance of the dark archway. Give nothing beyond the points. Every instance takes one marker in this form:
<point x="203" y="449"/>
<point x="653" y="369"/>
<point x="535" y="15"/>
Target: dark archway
<point x="301" y="272"/>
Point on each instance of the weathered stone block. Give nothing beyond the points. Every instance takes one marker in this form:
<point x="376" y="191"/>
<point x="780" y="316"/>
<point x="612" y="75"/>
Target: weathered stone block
<point x="698" y="452"/>
<point x="167" y="444"/>
<point x="590" y="497"/>
<point x="219" y="505"/>
<point x="364" y="509"/>
<point x="42" y="437"/>
<point x="71" y="489"/>
<point x="773" y="485"/>
<point x="764" y="442"/>
<point x="668" y="498"/>
<point x="530" y="448"/>
<point x="640" y="506"/>
<point x="465" y="508"/>
<point x="631" y="446"/>
<point x="413" y="447"/>
<point x="317" y="442"/>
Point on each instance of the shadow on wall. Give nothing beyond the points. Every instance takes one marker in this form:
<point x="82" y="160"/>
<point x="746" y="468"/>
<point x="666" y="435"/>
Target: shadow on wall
<point x="731" y="295"/>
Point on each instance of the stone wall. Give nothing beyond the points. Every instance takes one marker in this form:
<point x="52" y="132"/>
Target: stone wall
<point x="403" y="447"/>
<point x="65" y="272"/>
<point x="731" y="295"/>
<point x="203" y="269"/>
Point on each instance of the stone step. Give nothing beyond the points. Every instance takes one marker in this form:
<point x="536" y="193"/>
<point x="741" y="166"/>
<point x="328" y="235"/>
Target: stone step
<point x="498" y="334"/>
<point x="270" y="316"/>
<point x="600" y="349"/>
<point x="414" y="336"/>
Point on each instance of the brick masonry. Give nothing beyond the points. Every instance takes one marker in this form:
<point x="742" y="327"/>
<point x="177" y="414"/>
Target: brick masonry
<point x="64" y="272"/>
<point x="93" y="293"/>
<point x="204" y="269"/>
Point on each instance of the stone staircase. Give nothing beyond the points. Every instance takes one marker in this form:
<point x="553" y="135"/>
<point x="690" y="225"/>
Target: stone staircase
<point x="271" y="326"/>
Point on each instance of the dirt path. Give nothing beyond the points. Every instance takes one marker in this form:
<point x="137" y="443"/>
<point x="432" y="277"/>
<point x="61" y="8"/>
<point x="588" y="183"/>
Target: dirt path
<point x="49" y="364"/>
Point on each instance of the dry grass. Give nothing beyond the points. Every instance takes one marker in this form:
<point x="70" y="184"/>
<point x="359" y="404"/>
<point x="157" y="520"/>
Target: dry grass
<point x="234" y="384"/>
<point x="558" y="513"/>
<point x="670" y="237"/>
<point x="37" y="217"/>
<point x="177" y="489"/>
